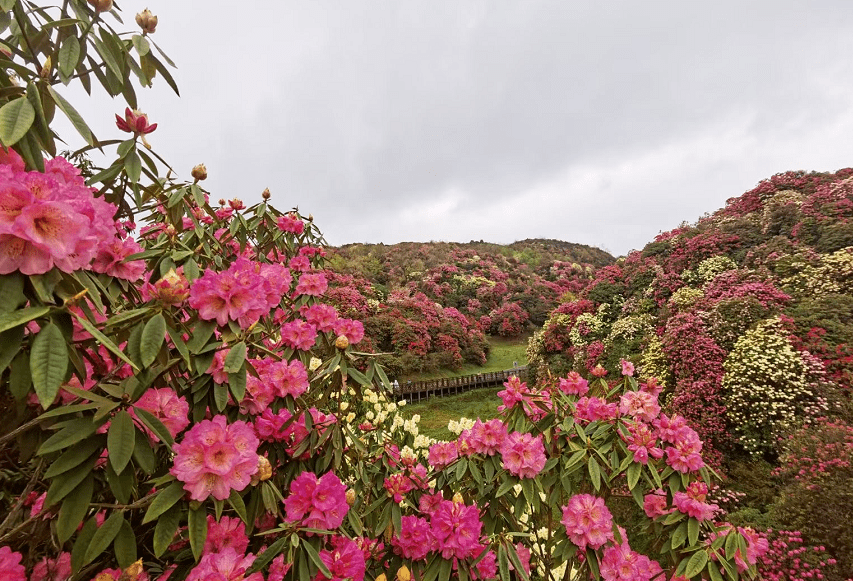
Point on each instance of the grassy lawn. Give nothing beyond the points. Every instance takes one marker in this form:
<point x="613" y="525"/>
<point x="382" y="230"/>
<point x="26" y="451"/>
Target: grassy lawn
<point x="502" y="354"/>
<point x="438" y="411"/>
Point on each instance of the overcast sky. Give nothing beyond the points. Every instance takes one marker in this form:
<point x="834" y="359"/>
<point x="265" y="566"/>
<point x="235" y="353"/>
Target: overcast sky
<point x="595" y="122"/>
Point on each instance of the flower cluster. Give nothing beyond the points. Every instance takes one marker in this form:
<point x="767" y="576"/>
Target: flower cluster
<point x="318" y="503"/>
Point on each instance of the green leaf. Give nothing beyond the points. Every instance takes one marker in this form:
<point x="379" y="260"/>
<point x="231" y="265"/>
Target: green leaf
<point x="315" y="557"/>
<point x="634" y="471"/>
<point x="692" y="531"/>
<point x="516" y="562"/>
<point x="105" y="535"/>
<point x="121" y="440"/>
<point x="164" y="532"/>
<point x="21" y="317"/>
<point x="731" y="544"/>
<point x="445" y="570"/>
<point x="16" y="117"/>
<point x="594" y="472"/>
<point x="125" y="546"/>
<point x="166" y="498"/>
<point x="696" y="563"/>
<point x="237" y="383"/>
<point x="48" y="363"/>
<point x="20" y="379"/>
<point x="152" y="339"/>
<point x="199" y="337"/>
<point x="69" y="55"/>
<point x="73" y="432"/>
<point x="73" y="116"/>
<point x="84" y="537"/>
<point x="133" y="167"/>
<point x="140" y="43"/>
<point x="74" y="508"/>
<point x="235" y="358"/>
<point x="714" y="572"/>
<point x="503" y="563"/>
<point x="143" y="455"/>
<point x="75" y="456"/>
<point x="10" y="344"/>
<point x="104" y="340"/>
<point x="679" y="536"/>
<point x="236" y="502"/>
<point x="197" y="525"/>
<point x="11" y="292"/>
<point x="155" y="425"/>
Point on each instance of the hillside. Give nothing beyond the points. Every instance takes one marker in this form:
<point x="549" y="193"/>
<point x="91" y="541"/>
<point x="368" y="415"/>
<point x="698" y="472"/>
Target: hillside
<point x="746" y="318"/>
<point x="431" y="305"/>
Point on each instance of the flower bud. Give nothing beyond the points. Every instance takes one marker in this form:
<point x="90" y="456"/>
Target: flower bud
<point x="266" y="194"/>
<point x="101" y="5"/>
<point x="264" y="468"/>
<point x="173" y="288"/>
<point x="146" y="21"/>
<point x="381" y="577"/>
<point x="199" y="172"/>
<point x="133" y="571"/>
<point x="342" y="342"/>
<point x="457" y="498"/>
<point x="350" y="496"/>
<point x="403" y="574"/>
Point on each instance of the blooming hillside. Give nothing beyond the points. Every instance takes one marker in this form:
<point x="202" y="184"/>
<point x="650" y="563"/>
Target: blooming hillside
<point x="746" y="318"/>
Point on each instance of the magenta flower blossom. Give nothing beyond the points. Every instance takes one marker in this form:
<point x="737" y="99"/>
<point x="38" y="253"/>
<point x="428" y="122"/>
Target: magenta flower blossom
<point x="415" y="540"/>
<point x="621" y="563"/>
<point x="627" y="367"/>
<point x="523" y="455"/>
<point x="641" y="441"/>
<point x="229" y="565"/>
<point x="574" y="384"/>
<point x="110" y="259"/>
<point x="165" y="405"/>
<point x="10" y="565"/>
<point x="319" y="503"/>
<point x="640" y="405"/>
<point x="48" y="569"/>
<point x="593" y="408"/>
<point x="228" y="532"/>
<point x="323" y="317"/>
<point x="312" y="284"/>
<point x="456" y="529"/>
<point x="513" y="393"/>
<point x="655" y="504"/>
<point x="397" y="485"/>
<point x="299" y="335"/>
<point x="290" y="223"/>
<point x="485" y="438"/>
<point x="588" y="521"/>
<point x="345" y="561"/>
<point x="442" y="454"/>
<point x="216" y="457"/>
<point x="692" y="502"/>
<point x="351" y="329"/>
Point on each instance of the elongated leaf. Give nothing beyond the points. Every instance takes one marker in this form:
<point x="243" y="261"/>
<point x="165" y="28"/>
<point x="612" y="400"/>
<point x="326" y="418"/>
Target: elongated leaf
<point x="16" y="118"/>
<point x="155" y="425"/>
<point x="73" y="116"/>
<point x="164" y="532"/>
<point x="10" y="344"/>
<point x="199" y="336"/>
<point x="121" y="440"/>
<point x="84" y="537"/>
<point x="69" y="55"/>
<point x="74" y="508"/>
<point x="125" y="546"/>
<point x="62" y="485"/>
<point x="48" y="363"/>
<point x="21" y="317"/>
<point x="153" y="336"/>
<point x="237" y="383"/>
<point x="594" y="472"/>
<point x="75" y="456"/>
<point x="235" y="358"/>
<point x="679" y="536"/>
<point x="273" y="551"/>
<point x="696" y="563"/>
<point x="165" y="500"/>
<point x="634" y="471"/>
<point x="315" y="557"/>
<point x="104" y="536"/>
<point x="236" y="502"/>
<point x="143" y="455"/>
<point x="197" y="525"/>
<point x="73" y="432"/>
<point x="692" y="531"/>
<point x="104" y="340"/>
<point x="20" y="380"/>
<point x="140" y="44"/>
<point x="516" y="562"/>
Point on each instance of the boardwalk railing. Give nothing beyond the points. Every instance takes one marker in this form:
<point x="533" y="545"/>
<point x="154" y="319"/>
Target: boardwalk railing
<point x="415" y="391"/>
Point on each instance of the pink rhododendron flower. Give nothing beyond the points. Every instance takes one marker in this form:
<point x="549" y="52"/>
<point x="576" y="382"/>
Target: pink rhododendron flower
<point x="599" y="371"/>
<point x="442" y="454"/>
<point x="397" y="485"/>
<point x="228" y="532"/>
<point x="655" y="504"/>
<point x="345" y="561"/>
<point x="278" y="569"/>
<point x="312" y="284"/>
<point x="165" y="405"/>
<point x="593" y="408"/>
<point x="217" y="367"/>
<point x="523" y="454"/>
<point x="323" y="317"/>
<point x="574" y="384"/>
<point x="621" y="563"/>
<point x="486" y="438"/>
<point x="111" y="255"/>
<point x="692" y="502"/>
<point x="351" y="329"/>
<point x="299" y="335"/>
<point x="640" y="405"/>
<point x="415" y="539"/>
<point x="319" y="503"/>
<point x="456" y="529"/>
<point x="299" y="264"/>
<point x="588" y="521"/>
<point x="228" y="565"/>
<point x="48" y="569"/>
<point x="487" y="568"/>
<point x="641" y="442"/>
<point x="10" y="565"/>
<point x="627" y="367"/>
<point x="685" y="456"/>
<point x="216" y="457"/>
<point x="429" y="502"/>
<point x="290" y="223"/>
<point x="513" y="393"/>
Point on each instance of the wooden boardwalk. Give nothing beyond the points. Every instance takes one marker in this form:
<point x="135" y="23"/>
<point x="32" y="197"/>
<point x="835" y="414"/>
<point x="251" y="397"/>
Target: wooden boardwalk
<point x="415" y="391"/>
